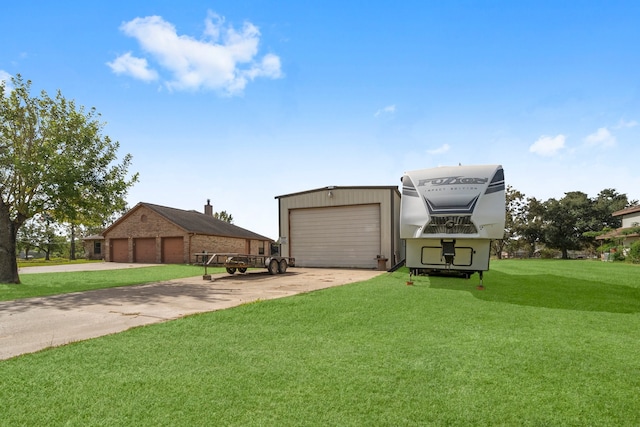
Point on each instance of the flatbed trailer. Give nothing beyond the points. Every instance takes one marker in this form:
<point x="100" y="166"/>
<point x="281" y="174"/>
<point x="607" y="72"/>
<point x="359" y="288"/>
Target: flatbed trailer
<point x="233" y="262"/>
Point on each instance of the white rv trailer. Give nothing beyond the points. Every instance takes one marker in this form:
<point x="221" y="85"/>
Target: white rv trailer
<point x="448" y="217"/>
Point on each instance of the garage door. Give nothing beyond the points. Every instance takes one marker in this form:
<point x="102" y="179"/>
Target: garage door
<point x="145" y="250"/>
<point x="346" y="236"/>
<point x="119" y="250"/>
<point x="172" y="250"/>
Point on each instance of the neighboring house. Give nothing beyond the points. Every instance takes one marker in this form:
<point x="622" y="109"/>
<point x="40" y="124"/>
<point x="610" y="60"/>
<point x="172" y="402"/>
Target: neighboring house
<point x="150" y="233"/>
<point x="630" y="220"/>
<point x="93" y="247"/>
<point x="351" y="227"/>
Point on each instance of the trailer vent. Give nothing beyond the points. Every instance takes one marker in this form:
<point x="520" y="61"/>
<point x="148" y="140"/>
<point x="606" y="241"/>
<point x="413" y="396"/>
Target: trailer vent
<point x="450" y="225"/>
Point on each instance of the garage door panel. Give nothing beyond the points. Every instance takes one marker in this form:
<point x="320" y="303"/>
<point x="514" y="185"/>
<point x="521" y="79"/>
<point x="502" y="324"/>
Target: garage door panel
<point x="173" y="250"/>
<point x="119" y="250"/>
<point x="145" y="250"/>
<point x="346" y="236"/>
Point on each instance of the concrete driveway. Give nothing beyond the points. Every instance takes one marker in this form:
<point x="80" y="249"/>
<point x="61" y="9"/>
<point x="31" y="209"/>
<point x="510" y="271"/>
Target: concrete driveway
<point x="32" y="324"/>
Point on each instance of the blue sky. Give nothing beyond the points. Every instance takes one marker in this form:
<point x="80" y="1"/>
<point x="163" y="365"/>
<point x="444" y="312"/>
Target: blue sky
<point x="243" y="101"/>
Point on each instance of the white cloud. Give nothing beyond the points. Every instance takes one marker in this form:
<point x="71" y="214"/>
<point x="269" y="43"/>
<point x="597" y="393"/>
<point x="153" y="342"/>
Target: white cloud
<point x="224" y="60"/>
<point x="548" y="145"/>
<point x="389" y="109"/>
<point x="6" y="78"/>
<point x="135" y="67"/>
<point x="440" y="150"/>
<point x="602" y="137"/>
<point x="626" y="124"/>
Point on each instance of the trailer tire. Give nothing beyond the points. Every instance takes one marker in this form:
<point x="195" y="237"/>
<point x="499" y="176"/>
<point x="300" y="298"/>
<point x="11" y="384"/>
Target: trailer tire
<point x="242" y="270"/>
<point x="231" y="270"/>
<point x="273" y="266"/>
<point x="282" y="266"/>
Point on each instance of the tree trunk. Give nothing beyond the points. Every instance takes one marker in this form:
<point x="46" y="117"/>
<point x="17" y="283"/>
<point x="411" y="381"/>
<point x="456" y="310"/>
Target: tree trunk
<point x="8" y="233"/>
<point x="72" y="252"/>
<point x="565" y="253"/>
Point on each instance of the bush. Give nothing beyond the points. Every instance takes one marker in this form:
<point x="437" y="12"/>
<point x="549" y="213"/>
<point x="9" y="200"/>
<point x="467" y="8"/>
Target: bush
<point x="617" y="253"/>
<point x="634" y="252"/>
<point x="547" y="253"/>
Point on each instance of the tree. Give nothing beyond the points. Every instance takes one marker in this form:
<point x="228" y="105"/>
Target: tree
<point x="566" y="221"/>
<point x="224" y="216"/>
<point x="514" y="202"/>
<point x="606" y="203"/>
<point x="523" y="222"/>
<point x="42" y="233"/>
<point x="53" y="159"/>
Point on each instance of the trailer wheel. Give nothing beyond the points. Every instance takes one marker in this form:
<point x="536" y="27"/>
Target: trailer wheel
<point x="242" y="270"/>
<point x="273" y="266"/>
<point x="231" y="270"/>
<point x="282" y="267"/>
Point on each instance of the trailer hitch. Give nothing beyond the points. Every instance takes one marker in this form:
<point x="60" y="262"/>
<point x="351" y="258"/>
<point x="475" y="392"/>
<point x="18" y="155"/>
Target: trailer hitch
<point x="448" y="251"/>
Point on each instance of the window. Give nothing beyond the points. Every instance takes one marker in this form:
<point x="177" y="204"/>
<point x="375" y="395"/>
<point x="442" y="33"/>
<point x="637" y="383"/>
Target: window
<point x="97" y="248"/>
<point x="261" y="248"/>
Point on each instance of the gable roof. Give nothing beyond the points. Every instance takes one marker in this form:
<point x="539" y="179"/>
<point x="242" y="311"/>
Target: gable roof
<point x="626" y="211"/>
<point x="195" y="222"/>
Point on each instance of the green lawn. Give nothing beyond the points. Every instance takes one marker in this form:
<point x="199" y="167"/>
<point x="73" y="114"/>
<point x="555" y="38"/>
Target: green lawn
<point x="548" y="343"/>
<point x="43" y="284"/>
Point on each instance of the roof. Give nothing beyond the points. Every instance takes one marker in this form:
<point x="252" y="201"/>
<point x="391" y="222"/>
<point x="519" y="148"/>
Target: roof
<point x="94" y="237"/>
<point x="626" y="211"/>
<point x="334" y="187"/>
<point x="619" y="232"/>
<point x="195" y="222"/>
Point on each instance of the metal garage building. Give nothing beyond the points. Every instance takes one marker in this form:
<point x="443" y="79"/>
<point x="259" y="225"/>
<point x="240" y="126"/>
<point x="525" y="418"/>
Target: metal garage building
<point x="353" y="227"/>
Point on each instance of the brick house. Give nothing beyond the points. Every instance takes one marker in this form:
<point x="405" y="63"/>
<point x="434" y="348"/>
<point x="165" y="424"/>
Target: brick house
<point x="150" y="233"/>
<point x="93" y="247"/>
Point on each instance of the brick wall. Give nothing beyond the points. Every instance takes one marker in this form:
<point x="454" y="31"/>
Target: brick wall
<point x="145" y="223"/>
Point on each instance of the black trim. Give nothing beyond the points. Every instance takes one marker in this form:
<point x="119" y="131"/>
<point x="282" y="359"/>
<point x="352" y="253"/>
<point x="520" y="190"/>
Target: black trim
<point x="497" y="182"/>
<point x="452" y="209"/>
<point x="408" y="187"/>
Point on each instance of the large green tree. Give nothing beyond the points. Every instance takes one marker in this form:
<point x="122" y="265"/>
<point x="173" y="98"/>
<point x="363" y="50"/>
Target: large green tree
<point x="606" y="203"/>
<point x="55" y="159"/>
<point x="566" y="221"/>
<point x="514" y="205"/>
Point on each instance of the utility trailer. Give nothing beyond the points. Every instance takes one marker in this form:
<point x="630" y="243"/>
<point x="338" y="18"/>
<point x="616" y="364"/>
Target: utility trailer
<point x="233" y="262"/>
<point x="448" y="217"/>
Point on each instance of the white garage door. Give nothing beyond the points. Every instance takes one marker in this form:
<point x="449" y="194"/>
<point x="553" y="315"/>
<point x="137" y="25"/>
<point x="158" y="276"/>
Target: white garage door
<point x="346" y="236"/>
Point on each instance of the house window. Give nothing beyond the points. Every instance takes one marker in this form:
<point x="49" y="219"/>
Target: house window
<point x="261" y="248"/>
<point x="97" y="248"/>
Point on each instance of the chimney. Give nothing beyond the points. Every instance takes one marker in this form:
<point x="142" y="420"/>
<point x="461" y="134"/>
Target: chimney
<point x="208" y="209"/>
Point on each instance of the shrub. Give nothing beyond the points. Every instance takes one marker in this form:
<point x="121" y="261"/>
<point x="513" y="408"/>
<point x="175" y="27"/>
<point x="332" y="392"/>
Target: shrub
<point x="617" y="253"/>
<point x="634" y="252"/>
<point x="547" y="253"/>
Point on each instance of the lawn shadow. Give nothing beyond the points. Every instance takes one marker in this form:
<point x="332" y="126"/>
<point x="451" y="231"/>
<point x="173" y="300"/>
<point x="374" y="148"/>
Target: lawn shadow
<point x="249" y="276"/>
<point x="546" y="290"/>
<point x="148" y="294"/>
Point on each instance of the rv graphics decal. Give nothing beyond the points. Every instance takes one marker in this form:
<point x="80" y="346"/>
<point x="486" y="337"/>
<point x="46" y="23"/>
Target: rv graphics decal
<point x="497" y="182"/>
<point x="451" y="207"/>
<point x="452" y="180"/>
<point x="408" y="189"/>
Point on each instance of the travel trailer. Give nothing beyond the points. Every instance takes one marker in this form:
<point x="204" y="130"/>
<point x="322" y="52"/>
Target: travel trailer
<point x="448" y="217"/>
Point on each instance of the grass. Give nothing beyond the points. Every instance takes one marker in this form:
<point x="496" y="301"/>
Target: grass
<point x="563" y="284"/>
<point x="43" y="284"/>
<point x="38" y="262"/>
<point x="372" y="353"/>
